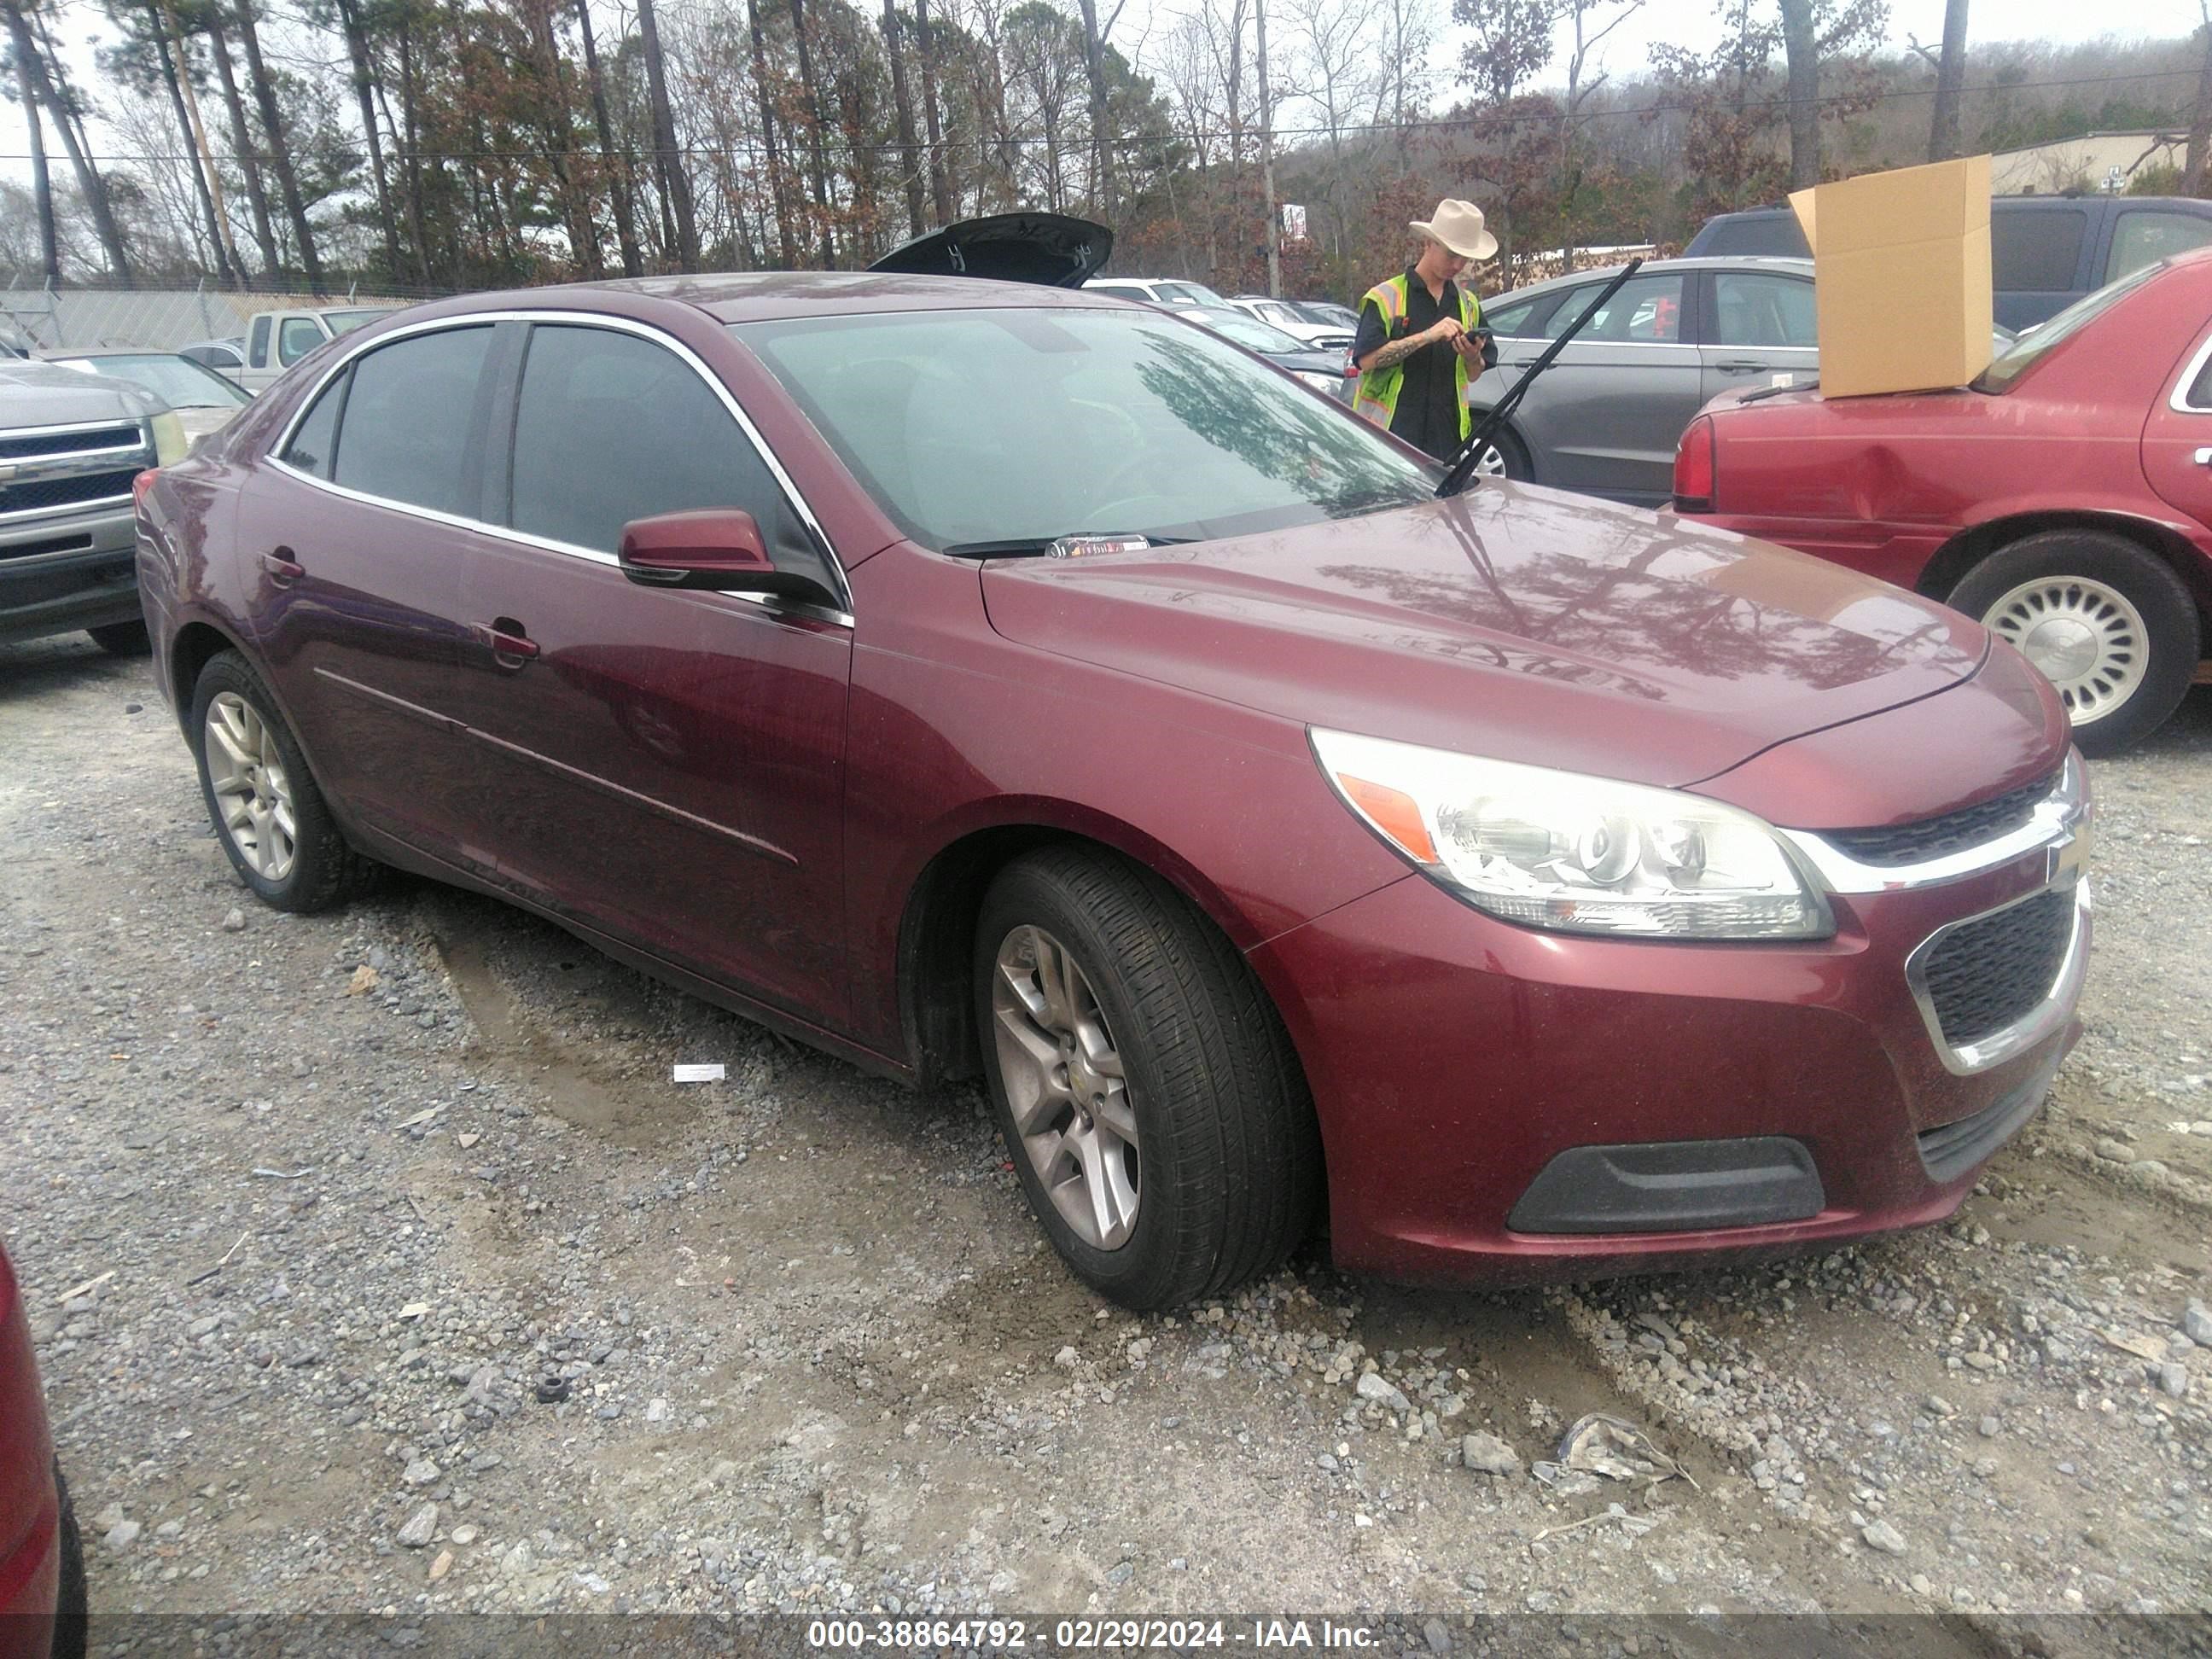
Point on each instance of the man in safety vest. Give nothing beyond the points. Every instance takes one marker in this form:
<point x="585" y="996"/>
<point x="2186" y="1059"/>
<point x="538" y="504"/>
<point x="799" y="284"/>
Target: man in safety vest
<point x="1417" y="335"/>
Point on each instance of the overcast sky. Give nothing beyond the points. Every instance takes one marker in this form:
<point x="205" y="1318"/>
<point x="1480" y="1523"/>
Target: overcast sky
<point x="1625" y="51"/>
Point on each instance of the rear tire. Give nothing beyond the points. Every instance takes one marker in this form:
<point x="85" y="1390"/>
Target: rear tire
<point x="272" y="819"/>
<point x="1195" y="1164"/>
<point x="123" y="639"/>
<point x="72" y="1604"/>
<point x="2104" y="619"/>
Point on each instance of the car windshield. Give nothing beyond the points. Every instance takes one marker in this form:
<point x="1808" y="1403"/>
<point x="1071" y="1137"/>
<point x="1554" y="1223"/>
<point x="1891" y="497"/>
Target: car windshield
<point x="1023" y="425"/>
<point x="177" y="381"/>
<point x="1186" y="294"/>
<point x="340" y="321"/>
<point x="2030" y="349"/>
<point x="1246" y="330"/>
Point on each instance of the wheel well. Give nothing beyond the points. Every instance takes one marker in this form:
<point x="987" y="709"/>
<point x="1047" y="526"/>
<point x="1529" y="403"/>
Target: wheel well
<point x="937" y="945"/>
<point x="1969" y="547"/>
<point x="195" y="643"/>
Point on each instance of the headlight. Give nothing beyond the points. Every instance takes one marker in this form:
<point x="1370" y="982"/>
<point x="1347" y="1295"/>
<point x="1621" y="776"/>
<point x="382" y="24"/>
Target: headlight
<point x="1572" y="854"/>
<point x="1318" y="382"/>
<point x="170" y="442"/>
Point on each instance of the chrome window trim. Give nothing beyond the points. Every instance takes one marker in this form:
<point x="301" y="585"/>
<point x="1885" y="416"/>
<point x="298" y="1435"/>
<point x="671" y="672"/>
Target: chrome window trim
<point x="2178" y="400"/>
<point x="648" y="331"/>
<point x="2061" y="821"/>
<point x="2041" y="1022"/>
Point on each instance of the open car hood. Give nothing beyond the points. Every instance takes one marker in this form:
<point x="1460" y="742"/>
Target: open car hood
<point x="1050" y="249"/>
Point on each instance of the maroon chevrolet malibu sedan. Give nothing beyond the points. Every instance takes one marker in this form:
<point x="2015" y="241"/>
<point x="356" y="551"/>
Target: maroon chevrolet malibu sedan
<point x="975" y="679"/>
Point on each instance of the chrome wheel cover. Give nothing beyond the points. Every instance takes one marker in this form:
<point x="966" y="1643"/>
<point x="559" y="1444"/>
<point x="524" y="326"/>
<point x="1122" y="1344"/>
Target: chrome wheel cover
<point x="1065" y="1087"/>
<point x="2086" y="638"/>
<point x="253" y="791"/>
<point x="1491" y="464"/>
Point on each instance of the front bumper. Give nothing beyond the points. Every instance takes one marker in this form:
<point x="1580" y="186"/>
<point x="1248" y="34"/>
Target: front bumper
<point x="66" y="571"/>
<point x="1455" y="1059"/>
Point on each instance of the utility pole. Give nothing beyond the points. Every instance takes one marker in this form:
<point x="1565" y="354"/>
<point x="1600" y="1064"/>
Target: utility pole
<point x="1267" y="162"/>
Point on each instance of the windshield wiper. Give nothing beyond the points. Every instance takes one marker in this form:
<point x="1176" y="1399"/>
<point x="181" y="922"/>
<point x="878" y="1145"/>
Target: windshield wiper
<point x="1060" y="547"/>
<point x="1767" y="391"/>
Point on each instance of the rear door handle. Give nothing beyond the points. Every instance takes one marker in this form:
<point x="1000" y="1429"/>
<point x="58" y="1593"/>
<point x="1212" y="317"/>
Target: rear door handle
<point x="1742" y="367"/>
<point x="283" y="569"/>
<point x="510" y="646"/>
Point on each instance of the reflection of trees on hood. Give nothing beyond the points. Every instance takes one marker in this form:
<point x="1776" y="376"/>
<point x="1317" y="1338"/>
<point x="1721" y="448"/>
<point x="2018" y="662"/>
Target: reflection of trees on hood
<point x="1294" y="439"/>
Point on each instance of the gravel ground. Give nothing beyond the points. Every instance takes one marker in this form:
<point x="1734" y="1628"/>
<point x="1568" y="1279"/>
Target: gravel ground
<point x="405" y="1280"/>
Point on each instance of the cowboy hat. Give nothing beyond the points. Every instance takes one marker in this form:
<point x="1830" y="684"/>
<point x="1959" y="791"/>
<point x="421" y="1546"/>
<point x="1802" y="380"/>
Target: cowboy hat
<point x="1458" y="226"/>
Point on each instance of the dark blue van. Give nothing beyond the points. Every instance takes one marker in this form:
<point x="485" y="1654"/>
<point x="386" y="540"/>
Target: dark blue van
<point x="2045" y="251"/>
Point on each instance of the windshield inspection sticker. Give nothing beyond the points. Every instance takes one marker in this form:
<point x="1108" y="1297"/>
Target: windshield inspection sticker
<point x="700" y="1073"/>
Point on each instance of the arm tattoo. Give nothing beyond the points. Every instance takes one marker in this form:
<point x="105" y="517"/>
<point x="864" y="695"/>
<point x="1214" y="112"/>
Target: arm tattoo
<point x="1385" y="356"/>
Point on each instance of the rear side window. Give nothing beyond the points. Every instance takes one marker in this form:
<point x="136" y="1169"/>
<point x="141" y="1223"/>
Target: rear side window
<point x="1756" y="308"/>
<point x="298" y="337"/>
<point x="1762" y="236"/>
<point x="409" y="417"/>
<point x="2036" y="251"/>
<point x="2143" y="236"/>
<point x="611" y="427"/>
<point x="260" y="346"/>
<point x="314" y="441"/>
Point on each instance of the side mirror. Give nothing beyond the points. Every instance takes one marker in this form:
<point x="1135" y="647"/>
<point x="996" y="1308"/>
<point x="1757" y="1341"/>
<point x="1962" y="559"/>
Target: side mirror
<point x="718" y="548"/>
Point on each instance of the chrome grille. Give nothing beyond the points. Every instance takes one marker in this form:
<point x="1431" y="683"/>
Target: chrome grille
<point x="1988" y="973"/>
<point x="42" y="494"/>
<point x="1932" y="838"/>
<point x="69" y="441"/>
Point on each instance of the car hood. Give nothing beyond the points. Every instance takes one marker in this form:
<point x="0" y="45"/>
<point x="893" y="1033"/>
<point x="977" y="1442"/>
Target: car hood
<point x="1509" y="622"/>
<point x="47" y="394"/>
<point x="1050" y="249"/>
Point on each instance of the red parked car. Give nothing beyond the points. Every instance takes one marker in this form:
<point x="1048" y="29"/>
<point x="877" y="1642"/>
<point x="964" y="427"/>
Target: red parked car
<point x="2065" y="499"/>
<point x="969" y="678"/>
<point x="42" y="1591"/>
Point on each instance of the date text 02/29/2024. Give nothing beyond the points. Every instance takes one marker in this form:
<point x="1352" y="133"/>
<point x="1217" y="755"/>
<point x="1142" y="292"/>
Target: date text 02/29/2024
<point x="1081" y="1635"/>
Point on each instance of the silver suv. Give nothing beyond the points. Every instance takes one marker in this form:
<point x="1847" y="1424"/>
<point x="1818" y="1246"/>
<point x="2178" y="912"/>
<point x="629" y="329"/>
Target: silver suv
<point x="70" y="443"/>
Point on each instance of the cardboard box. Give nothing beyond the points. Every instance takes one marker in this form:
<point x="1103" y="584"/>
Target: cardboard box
<point x="1901" y="277"/>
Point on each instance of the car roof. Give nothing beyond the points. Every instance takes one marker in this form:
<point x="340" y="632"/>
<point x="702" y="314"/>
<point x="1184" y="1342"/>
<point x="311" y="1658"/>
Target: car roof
<point x="770" y="296"/>
<point x="1702" y="262"/>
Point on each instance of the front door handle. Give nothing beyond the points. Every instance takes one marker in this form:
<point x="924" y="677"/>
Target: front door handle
<point x="1741" y="367"/>
<point x="283" y="567"/>
<point x="511" y="646"/>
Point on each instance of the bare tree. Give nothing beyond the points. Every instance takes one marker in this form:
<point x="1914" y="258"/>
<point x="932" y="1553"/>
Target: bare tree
<point x="1950" y="82"/>
<point x="280" y="151"/>
<point x="675" y="182"/>
<point x="42" y="189"/>
<point x="51" y="87"/>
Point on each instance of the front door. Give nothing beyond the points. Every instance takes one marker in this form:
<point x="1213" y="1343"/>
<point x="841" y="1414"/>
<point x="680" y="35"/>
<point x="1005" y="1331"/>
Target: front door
<point x="356" y="581"/>
<point x="665" y="766"/>
<point x="1606" y="416"/>
<point x="1759" y="329"/>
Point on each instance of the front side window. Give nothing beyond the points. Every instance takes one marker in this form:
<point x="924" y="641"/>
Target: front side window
<point x="299" y="337"/>
<point x="1757" y="308"/>
<point x="409" y="420"/>
<point x="1648" y="311"/>
<point x="611" y="427"/>
<point x="1021" y="425"/>
<point x="2143" y="236"/>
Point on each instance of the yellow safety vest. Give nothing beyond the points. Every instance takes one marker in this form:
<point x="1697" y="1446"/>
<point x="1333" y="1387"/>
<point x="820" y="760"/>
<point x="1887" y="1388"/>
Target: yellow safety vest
<point x="1376" y="396"/>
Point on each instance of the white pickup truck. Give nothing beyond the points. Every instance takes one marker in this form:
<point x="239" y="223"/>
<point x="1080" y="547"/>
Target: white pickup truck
<point x="275" y="340"/>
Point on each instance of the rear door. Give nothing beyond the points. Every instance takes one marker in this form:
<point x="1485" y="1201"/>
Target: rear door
<point x="1758" y="328"/>
<point x="1606" y="416"/>
<point x="665" y="765"/>
<point x="350" y="533"/>
<point x="2176" y="447"/>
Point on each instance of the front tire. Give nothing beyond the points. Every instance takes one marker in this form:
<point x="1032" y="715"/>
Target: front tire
<point x="2105" y="620"/>
<point x="1149" y="1098"/>
<point x="272" y="819"/>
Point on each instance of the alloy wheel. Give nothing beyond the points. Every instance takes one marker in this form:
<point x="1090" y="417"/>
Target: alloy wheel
<point x="252" y="790"/>
<point x="1066" y="1086"/>
<point x="2087" y="639"/>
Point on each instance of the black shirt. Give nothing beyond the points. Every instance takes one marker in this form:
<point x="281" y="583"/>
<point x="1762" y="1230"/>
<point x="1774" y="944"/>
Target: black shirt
<point x="1427" y="415"/>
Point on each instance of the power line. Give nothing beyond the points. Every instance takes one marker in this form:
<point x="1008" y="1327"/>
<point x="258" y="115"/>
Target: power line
<point x="987" y="144"/>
